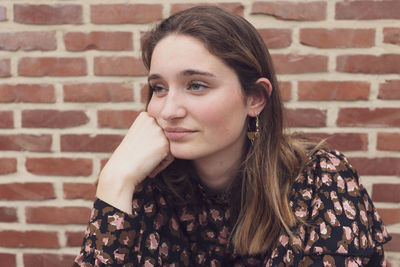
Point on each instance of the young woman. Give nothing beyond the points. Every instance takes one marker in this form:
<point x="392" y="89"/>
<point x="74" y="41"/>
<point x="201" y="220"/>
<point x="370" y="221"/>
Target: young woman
<point x="215" y="181"/>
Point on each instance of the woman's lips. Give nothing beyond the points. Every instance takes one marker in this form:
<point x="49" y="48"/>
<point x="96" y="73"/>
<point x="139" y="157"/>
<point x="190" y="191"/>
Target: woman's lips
<point x="175" y="134"/>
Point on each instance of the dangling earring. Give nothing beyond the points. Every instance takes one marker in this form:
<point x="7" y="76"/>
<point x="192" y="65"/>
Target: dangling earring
<point x="253" y="135"/>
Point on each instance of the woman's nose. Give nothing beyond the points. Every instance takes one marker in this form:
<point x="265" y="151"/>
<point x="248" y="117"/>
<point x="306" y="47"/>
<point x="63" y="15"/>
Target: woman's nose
<point x="174" y="107"/>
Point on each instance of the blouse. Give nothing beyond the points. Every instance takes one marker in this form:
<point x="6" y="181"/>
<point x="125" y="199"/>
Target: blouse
<point x="343" y="227"/>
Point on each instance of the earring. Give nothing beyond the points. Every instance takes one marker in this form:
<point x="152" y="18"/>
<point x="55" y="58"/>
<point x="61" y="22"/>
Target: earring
<point x="253" y="135"/>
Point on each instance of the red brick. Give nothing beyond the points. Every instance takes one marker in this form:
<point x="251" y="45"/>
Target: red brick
<point x="114" y="41"/>
<point x="47" y="14"/>
<point x="310" y="11"/>
<point x="29" y="93"/>
<point x="367" y="10"/>
<point x="120" y="119"/>
<point x="28" y="239"/>
<point x="74" y="239"/>
<point x="333" y="90"/>
<point x="387" y="63"/>
<point x="144" y="92"/>
<point x="276" y="38"/>
<point x="8" y="214"/>
<point x="378" y="117"/>
<point x="89" y="143"/>
<point x="79" y="191"/>
<point x="103" y="163"/>
<point x="294" y="63"/>
<point x="125" y="13"/>
<point x="236" y="8"/>
<point x="391" y="35"/>
<point x="48" y="260"/>
<point x="8" y="165"/>
<point x="377" y="166"/>
<point x="305" y="117"/>
<point x="28" y="41"/>
<point x="6" y="119"/>
<point x="394" y="244"/>
<point x="50" y="66"/>
<point x="390" y="89"/>
<point x="57" y="215"/>
<point x="119" y="66"/>
<point x="59" y="166"/>
<point x="386" y="192"/>
<point x="285" y="90"/>
<point x="337" y="38"/>
<point x="8" y="260"/>
<point x="27" y="191"/>
<point x="343" y="141"/>
<point x="98" y="92"/>
<point x="3" y="16"/>
<point x="389" y="216"/>
<point x="50" y="118"/>
<point x="388" y="141"/>
<point x="5" y="67"/>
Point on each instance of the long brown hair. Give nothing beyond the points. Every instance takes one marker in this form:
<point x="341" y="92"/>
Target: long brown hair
<point x="275" y="160"/>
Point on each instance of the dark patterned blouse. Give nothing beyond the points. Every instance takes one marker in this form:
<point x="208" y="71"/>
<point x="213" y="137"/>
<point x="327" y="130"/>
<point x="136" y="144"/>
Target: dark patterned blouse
<point x="344" y="228"/>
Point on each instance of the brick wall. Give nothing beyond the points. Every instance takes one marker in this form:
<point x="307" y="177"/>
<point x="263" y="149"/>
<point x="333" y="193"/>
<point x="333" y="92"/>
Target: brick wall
<point x="71" y="83"/>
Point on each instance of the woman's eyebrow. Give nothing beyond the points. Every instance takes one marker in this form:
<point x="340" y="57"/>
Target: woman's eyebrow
<point x="188" y="72"/>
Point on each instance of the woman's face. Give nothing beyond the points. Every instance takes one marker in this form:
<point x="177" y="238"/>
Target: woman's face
<point x="197" y="100"/>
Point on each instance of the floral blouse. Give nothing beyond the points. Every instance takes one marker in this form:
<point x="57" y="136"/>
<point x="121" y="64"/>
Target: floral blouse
<point x="344" y="228"/>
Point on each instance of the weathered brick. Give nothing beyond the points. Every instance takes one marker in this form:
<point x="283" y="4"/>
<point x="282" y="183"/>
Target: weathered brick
<point x="386" y="192"/>
<point x="50" y="66"/>
<point x="5" y="67"/>
<point x="79" y="191"/>
<point x="3" y="13"/>
<point x="28" y="239"/>
<point x="98" y="92"/>
<point x="236" y="8"/>
<point x="47" y="14"/>
<point x="47" y="260"/>
<point x="367" y="10"/>
<point x="294" y="63"/>
<point x="388" y="141"/>
<point x="8" y="214"/>
<point x="377" y="166"/>
<point x="393" y="245"/>
<point x="276" y="38"/>
<point x="333" y="90"/>
<point x="386" y="63"/>
<point x="389" y="216"/>
<point x="337" y="38"/>
<point x="29" y="93"/>
<point x="74" y="239"/>
<point x="57" y="215"/>
<point x="6" y="119"/>
<point x="113" y="41"/>
<point x="310" y="11"/>
<point x="342" y="141"/>
<point x="88" y="143"/>
<point x="8" y="165"/>
<point x="28" y="41"/>
<point x="305" y="117"/>
<point x="8" y="259"/>
<point x="59" y="166"/>
<point x="144" y="92"/>
<point x="125" y="13"/>
<point x="27" y="191"/>
<point x="378" y="117"/>
<point x="391" y="35"/>
<point x="119" y="66"/>
<point x="390" y="89"/>
<point x="50" y="118"/>
<point x="120" y="119"/>
<point x="285" y="90"/>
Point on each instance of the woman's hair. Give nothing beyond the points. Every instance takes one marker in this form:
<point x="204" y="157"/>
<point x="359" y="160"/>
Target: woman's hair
<point x="275" y="160"/>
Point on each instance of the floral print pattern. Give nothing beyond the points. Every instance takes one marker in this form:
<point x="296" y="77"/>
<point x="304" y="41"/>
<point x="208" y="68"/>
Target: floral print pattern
<point x="342" y="227"/>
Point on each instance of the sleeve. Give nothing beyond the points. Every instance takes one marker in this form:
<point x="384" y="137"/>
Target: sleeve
<point x="112" y="235"/>
<point x="340" y="225"/>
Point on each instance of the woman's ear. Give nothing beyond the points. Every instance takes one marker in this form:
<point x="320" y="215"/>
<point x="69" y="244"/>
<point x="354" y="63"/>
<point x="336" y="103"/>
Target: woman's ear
<point x="256" y="101"/>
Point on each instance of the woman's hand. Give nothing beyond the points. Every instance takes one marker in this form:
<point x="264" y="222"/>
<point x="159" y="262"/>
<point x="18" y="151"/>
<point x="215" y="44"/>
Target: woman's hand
<point x="143" y="152"/>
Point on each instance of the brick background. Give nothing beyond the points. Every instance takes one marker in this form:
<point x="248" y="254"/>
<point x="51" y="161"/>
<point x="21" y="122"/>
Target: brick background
<point x="72" y="82"/>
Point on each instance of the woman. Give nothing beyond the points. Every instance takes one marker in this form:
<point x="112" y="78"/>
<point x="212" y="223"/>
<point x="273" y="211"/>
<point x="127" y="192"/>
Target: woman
<point x="215" y="181"/>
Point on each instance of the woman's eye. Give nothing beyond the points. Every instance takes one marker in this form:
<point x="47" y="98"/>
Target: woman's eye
<point x="196" y="86"/>
<point x="157" y="89"/>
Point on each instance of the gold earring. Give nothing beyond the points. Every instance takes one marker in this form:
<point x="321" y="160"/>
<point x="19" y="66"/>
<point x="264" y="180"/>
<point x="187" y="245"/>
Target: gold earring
<point x="253" y="135"/>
